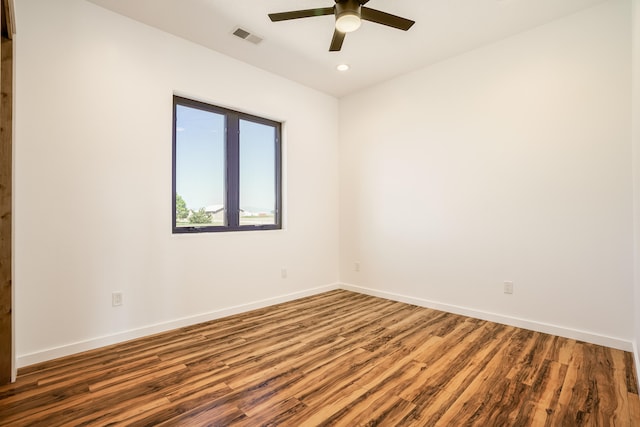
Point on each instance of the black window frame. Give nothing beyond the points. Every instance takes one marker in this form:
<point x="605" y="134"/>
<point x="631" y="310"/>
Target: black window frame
<point x="232" y="169"/>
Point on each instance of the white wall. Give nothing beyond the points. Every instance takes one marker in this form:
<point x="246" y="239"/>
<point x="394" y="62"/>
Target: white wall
<point x="93" y="184"/>
<point x="508" y="163"/>
<point x="636" y="169"/>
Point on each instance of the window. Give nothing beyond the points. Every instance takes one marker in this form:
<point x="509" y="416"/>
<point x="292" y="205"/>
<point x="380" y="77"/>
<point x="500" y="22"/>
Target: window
<point x="226" y="169"/>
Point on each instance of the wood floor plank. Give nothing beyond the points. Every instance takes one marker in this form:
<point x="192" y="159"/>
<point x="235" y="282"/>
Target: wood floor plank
<point x="379" y="404"/>
<point x="339" y="359"/>
<point x="634" y="408"/>
<point x="488" y="388"/>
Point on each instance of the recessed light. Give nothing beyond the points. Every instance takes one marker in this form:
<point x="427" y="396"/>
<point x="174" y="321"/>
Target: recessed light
<point x="342" y="67"/>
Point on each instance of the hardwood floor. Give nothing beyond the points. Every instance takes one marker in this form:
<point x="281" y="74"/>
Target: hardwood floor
<point x="338" y="358"/>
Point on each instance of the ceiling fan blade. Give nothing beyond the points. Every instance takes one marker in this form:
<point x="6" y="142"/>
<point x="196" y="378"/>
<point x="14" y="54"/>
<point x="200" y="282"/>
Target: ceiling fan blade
<point x="296" y="14"/>
<point x="386" y="19"/>
<point x="336" y="41"/>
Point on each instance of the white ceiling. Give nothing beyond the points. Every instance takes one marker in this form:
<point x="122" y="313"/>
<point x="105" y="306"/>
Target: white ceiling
<point x="298" y="49"/>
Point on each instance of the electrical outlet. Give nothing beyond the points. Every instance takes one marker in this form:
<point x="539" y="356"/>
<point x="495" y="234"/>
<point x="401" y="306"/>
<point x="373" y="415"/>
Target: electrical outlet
<point x="508" y="287"/>
<point x="356" y="266"/>
<point x="284" y="273"/>
<point x="116" y="299"/>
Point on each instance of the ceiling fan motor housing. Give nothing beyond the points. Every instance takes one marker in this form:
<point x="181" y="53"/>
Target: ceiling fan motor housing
<point x="347" y="6"/>
<point x="348" y="14"/>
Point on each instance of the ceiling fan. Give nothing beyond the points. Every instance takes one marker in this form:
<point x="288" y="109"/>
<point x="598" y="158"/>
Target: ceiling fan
<point x="349" y="15"/>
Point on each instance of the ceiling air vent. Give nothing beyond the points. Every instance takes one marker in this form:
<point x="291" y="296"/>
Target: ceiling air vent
<point x="246" y="35"/>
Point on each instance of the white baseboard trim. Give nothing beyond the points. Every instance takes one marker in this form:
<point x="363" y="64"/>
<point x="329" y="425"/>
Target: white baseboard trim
<point x="118" y="337"/>
<point x="546" y="328"/>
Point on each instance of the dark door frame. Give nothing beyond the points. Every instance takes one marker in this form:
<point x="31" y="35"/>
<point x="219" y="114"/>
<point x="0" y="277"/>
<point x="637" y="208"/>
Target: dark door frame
<point x="7" y="368"/>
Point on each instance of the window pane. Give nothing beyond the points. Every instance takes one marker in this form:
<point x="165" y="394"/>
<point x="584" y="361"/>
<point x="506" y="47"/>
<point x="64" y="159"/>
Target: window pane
<point x="257" y="173"/>
<point x="200" y="168"/>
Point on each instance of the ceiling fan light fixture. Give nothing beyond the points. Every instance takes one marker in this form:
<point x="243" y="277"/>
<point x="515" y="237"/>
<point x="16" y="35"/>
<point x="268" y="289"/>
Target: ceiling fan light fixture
<point x="348" y="22"/>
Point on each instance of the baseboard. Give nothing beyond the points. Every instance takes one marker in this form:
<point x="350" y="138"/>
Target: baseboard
<point x="91" y="344"/>
<point x="576" y="334"/>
